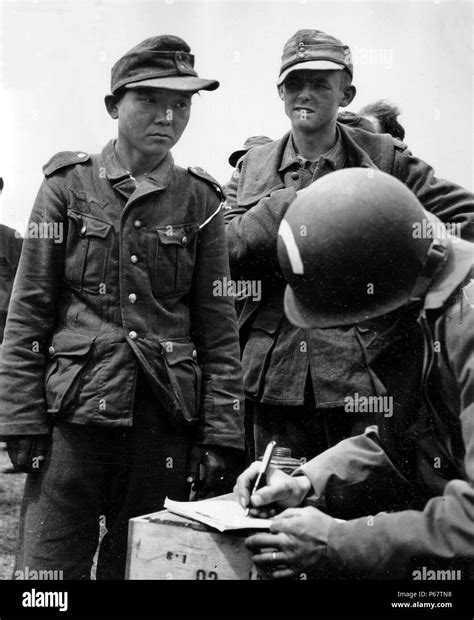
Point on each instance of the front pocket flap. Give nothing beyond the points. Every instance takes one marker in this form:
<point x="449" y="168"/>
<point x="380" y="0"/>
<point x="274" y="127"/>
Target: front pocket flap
<point x="176" y="352"/>
<point x="94" y="228"/>
<point x="181" y="234"/>
<point x="268" y="320"/>
<point x="70" y="344"/>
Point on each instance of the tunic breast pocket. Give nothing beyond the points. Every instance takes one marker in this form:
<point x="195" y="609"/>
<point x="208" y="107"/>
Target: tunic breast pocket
<point x="175" y="255"/>
<point x="87" y="254"/>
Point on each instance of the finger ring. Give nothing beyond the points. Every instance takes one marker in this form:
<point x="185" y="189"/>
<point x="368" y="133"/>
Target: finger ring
<point x="274" y="556"/>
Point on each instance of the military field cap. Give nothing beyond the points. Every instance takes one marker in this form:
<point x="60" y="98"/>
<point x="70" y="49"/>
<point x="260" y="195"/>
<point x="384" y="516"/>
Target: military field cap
<point x="248" y="144"/>
<point x="164" y="61"/>
<point x="314" y="49"/>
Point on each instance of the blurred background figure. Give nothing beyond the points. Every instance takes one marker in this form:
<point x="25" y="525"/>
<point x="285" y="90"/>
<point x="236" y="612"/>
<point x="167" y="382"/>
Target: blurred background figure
<point x="355" y="119"/>
<point x="384" y="118"/>
<point x="10" y="249"/>
<point x="230" y="188"/>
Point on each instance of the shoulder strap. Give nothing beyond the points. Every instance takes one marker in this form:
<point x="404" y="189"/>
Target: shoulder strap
<point x="64" y="159"/>
<point x="205" y="176"/>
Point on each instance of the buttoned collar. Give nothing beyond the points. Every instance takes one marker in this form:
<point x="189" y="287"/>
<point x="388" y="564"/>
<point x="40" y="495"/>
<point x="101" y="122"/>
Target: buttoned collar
<point x="334" y="158"/>
<point x="117" y="173"/>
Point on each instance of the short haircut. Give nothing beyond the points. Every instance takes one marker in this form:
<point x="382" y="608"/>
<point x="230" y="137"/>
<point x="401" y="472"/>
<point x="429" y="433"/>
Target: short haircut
<point x="346" y="79"/>
<point x="386" y="113"/>
<point x="120" y="92"/>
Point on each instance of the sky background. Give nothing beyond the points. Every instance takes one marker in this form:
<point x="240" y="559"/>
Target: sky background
<point x="55" y="61"/>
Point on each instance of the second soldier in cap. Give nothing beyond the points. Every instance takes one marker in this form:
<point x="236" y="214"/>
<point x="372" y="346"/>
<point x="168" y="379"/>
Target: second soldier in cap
<point x="298" y="379"/>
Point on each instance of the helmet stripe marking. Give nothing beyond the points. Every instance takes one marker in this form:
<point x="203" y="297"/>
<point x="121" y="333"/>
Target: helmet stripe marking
<point x="286" y="234"/>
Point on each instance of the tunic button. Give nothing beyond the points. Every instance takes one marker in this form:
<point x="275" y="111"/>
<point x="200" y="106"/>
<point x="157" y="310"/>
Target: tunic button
<point x="137" y="224"/>
<point x="295" y="176"/>
<point x="51" y="350"/>
<point x="133" y="335"/>
<point x="134" y="258"/>
<point x="83" y="230"/>
<point x="195" y="353"/>
<point x="184" y="239"/>
<point x="132" y="298"/>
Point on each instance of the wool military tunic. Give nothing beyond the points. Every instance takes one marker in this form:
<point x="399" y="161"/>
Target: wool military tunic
<point x="129" y="285"/>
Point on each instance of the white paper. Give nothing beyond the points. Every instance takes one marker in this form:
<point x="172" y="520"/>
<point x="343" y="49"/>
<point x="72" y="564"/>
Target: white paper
<point x="220" y="514"/>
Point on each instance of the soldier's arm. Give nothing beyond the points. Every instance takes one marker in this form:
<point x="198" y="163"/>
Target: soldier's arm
<point x="450" y="202"/>
<point x="31" y="318"/>
<point x="352" y="476"/>
<point x="387" y="544"/>
<point x="215" y="333"/>
<point x="252" y="234"/>
<point x="230" y="191"/>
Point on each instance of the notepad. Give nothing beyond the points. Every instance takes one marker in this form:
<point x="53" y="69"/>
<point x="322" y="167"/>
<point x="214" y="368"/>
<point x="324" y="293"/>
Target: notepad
<point x="222" y="514"/>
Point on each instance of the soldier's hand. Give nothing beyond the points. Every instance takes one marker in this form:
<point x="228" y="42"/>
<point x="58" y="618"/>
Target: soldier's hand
<point x="27" y="452"/>
<point x="280" y="491"/>
<point x="212" y="469"/>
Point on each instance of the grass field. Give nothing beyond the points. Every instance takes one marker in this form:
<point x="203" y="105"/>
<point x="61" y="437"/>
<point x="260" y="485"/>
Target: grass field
<point x="11" y="492"/>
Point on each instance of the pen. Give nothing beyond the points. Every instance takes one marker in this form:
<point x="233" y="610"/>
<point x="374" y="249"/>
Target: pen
<point x="267" y="457"/>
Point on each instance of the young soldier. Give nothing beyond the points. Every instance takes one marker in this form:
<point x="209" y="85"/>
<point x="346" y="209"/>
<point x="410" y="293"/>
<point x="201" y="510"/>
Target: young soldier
<point x="413" y="473"/>
<point x="298" y="379"/>
<point x="120" y="376"/>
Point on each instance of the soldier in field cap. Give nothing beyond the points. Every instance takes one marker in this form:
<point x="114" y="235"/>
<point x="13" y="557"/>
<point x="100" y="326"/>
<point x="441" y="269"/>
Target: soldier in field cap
<point x="120" y="378"/>
<point x="298" y="379"/>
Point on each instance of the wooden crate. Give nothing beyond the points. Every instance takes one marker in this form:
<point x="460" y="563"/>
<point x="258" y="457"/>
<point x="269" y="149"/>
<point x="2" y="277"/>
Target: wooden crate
<point x="163" y="545"/>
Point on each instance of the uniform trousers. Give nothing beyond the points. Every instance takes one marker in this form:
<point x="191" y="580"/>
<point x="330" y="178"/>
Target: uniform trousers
<point x="92" y="471"/>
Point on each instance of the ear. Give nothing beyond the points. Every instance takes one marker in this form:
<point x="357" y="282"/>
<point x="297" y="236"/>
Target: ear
<point x="348" y="95"/>
<point x="111" y="102"/>
<point x="281" y="91"/>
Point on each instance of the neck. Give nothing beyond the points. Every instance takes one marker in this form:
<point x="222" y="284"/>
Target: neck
<point x="135" y="162"/>
<point x="312" y="145"/>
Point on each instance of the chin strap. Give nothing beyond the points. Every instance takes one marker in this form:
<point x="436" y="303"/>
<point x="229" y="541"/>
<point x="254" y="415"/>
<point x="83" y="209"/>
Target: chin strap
<point x="436" y="257"/>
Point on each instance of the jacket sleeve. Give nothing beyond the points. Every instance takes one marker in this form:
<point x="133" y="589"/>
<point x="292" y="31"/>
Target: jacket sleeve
<point x="230" y="190"/>
<point x="388" y="543"/>
<point x="252" y="233"/>
<point x="31" y="317"/>
<point x="450" y="202"/>
<point x="355" y="476"/>
<point x="215" y="333"/>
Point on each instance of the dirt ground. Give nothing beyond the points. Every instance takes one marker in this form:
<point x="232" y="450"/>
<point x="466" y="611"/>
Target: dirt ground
<point x="11" y="492"/>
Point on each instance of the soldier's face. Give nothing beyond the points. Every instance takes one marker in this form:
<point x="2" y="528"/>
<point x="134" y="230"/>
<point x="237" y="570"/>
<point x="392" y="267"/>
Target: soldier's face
<point x="152" y="120"/>
<point x="312" y="98"/>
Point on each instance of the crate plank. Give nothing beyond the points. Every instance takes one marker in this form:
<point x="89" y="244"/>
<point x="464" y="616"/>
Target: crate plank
<point x="162" y="545"/>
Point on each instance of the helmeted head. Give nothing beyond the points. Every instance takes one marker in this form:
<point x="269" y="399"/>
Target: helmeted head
<point x="354" y="245"/>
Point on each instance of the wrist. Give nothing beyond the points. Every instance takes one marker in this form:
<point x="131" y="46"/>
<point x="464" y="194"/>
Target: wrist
<point x="303" y="487"/>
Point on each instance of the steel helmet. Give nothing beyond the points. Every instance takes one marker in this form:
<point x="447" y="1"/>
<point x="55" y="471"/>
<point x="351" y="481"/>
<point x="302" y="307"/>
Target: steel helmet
<point x="354" y="245"/>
